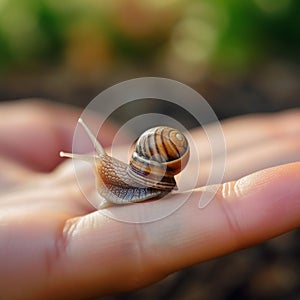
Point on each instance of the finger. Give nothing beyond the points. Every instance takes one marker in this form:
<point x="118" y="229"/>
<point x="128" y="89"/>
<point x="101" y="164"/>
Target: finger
<point x="260" y="156"/>
<point x="253" y="143"/>
<point x="13" y="174"/>
<point x="33" y="132"/>
<point x="242" y="162"/>
<point x="245" y="131"/>
<point x="101" y="255"/>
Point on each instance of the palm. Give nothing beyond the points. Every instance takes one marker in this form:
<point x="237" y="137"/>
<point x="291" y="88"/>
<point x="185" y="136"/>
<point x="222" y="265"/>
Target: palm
<point x="54" y="243"/>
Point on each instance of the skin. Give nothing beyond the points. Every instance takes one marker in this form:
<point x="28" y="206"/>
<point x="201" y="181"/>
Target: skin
<point x="54" y="245"/>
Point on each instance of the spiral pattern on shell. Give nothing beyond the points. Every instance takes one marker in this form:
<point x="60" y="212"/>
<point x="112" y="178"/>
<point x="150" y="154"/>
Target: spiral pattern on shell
<point x="160" y="153"/>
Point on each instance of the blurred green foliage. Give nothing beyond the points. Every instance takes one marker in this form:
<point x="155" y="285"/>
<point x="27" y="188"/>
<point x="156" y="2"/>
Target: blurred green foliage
<point x="259" y="29"/>
<point x="175" y="35"/>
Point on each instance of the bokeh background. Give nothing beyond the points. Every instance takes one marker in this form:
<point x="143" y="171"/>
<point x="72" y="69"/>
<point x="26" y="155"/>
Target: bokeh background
<point x="242" y="56"/>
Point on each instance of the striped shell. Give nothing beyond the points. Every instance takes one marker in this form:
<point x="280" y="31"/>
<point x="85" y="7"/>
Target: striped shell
<point x="160" y="153"/>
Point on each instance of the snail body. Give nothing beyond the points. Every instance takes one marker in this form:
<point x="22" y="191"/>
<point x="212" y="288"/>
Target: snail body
<point x="158" y="155"/>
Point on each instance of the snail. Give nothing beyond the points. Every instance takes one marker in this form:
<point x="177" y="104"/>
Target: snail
<point x="158" y="155"/>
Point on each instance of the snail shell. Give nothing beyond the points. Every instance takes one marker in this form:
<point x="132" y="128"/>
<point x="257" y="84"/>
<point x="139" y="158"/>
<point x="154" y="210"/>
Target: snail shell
<point x="158" y="155"/>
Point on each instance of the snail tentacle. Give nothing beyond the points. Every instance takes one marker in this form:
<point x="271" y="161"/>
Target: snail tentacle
<point x="83" y="157"/>
<point x="98" y="147"/>
<point x="88" y="158"/>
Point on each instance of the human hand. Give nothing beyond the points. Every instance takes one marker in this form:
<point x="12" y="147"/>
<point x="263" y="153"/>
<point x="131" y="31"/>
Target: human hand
<point x="54" y="245"/>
